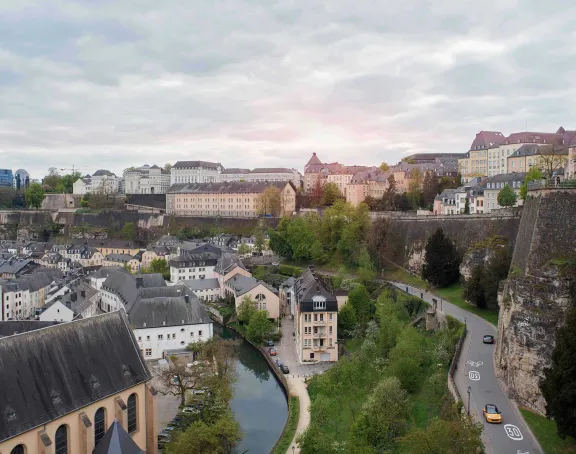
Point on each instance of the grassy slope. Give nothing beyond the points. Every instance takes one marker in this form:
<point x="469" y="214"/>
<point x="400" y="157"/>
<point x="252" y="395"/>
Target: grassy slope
<point x="290" y="430"/>
<point x="545" y="431"/>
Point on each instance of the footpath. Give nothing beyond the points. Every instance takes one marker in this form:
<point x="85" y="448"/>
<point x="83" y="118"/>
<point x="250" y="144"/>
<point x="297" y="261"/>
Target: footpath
<point x="297" y="387"/>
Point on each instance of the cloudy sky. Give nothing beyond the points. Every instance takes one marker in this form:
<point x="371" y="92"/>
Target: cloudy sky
<point x="254" y="83"/>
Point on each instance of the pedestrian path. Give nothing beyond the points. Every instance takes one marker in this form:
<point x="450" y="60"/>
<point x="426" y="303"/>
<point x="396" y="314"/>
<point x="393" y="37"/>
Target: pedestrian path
<point x="297" y="387"/>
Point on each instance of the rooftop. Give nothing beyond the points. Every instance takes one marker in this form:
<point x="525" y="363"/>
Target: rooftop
<point x="232" y="187"/>
<point x="195" y="164"/>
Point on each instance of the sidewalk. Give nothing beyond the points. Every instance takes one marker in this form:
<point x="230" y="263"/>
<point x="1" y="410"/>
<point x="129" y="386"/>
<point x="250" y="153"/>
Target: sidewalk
<point x="298" y="388"/>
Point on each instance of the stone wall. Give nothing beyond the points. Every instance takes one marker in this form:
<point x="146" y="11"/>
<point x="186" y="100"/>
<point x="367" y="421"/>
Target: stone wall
<point x="534" y="299"/>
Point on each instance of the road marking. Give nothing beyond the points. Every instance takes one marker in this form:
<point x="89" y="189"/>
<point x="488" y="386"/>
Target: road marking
<point x="513" y="432"/>
<point x="474" y="375"/>
<point x="475" y="363"/>
<point x="520" y="452"/>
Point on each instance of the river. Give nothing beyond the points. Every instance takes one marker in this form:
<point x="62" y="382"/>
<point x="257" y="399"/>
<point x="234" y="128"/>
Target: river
<point x="259" y="404"/>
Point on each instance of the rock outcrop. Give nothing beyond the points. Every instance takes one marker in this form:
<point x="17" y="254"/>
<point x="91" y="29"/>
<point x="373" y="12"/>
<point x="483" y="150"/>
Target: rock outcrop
<point x="481" y="253"/>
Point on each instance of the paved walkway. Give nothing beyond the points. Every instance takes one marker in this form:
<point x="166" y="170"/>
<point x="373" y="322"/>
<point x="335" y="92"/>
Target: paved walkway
<point x="298" y="388"/>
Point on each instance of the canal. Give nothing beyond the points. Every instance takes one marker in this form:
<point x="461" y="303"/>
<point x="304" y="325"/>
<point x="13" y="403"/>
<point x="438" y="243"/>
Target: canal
<point x="259" y="404"/>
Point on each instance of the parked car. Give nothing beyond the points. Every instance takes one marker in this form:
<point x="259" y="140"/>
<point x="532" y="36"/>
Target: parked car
<point x="284" y="369"/>
<point x="163" y="438"/>
<point x="272" y="351"/>
<point x="190" y="409"/>
<point x="279" y="362"/>
<point x="275" y="264"/>
<point x="488" y="339"/>
<point x="270" y="343"/>
<point x="492" y="414"/>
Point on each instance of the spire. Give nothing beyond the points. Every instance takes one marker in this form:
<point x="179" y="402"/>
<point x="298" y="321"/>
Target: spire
<point x="314" y="160"/>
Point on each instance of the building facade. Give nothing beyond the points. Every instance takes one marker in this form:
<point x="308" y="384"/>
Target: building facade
<point x="102" y="181"/>
<point x="195" y="172"/>
<point x="146" y="180"/>
<point x="6" y="177"/>
<point x="21" y="179"/>
<point x="476" y="162"/>
<point x="266" y="298"/>
<point x="492" y="186"/>
<point x="193" y="266"/>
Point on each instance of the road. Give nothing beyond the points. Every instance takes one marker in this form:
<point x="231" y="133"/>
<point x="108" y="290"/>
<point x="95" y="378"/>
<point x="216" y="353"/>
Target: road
<point x="476" y="369"/>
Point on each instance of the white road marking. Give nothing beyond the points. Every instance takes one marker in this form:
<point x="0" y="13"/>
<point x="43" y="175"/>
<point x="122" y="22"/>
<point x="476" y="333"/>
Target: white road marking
<point x="474" y="375"/>
<point x="513" y="432"/>
<point x="520" y="452"/>
<point x="474" y="363"/>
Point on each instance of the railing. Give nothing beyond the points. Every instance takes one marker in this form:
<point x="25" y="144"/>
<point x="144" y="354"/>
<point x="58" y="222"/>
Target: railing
<point x="453" y="365"/>
<point x="551" y="184"/>
<point x="319" y="334"/>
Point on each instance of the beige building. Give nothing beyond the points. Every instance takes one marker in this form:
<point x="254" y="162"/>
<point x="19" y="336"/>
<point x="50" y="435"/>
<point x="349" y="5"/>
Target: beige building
<point x="265" y="297"/>
<point x="475" y="163"/>
<point x="77" y="379"/>
<point x="315" y="320"/>
<point x="570" y="173"/>
<point x="133" y="263"/>
<point x="492" y="186"/>
<point x="319" y="173"/>
<point x="231" y="199"/>
<point x="529" y="155"/>
<point x="228" y="265"/>
<point x="369" y="183"/>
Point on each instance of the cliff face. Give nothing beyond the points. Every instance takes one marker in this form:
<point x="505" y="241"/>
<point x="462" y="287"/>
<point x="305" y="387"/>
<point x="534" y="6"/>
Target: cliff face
<point x="481" y="254"/>
<point x="534" y="299"/>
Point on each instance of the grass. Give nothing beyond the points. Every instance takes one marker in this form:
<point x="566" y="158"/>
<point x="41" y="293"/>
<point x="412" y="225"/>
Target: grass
<point x="290" y="429"/>
<point x="453" y="294"/>
<point x="545" y="431"/>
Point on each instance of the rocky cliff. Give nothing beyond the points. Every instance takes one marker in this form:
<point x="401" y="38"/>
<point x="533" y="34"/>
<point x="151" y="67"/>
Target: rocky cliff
<point x="534" y="298"/>
<point x="481" y="254"/>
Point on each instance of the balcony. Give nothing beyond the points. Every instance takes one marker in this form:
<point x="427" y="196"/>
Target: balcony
<point x="317" y="335"/>
<point x="319" y="322"/>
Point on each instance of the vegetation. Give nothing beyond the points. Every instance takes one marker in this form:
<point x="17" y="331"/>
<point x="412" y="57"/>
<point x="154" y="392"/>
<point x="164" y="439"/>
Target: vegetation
<point x="34" y="196"/>
<point x="129" y="231"/>
<point x="54" y="182"/>
<point x="533" y="174"/>
<point x="384" y="167"/>
<point x="290" y="429"/>
<point x="158" y="266"/>
<point x="270" y="202"/>
<point x="330" y="194"/>
<point x="259" y="327"/>
<point x="391" y="387"/>
<point x="507" y="197"/>
<point x="546" y="432"/>
<point x="441" y="266"/>
<point x="11" y="198"/>
<point x="559" y="383"/>
<point x="362" y="306"/>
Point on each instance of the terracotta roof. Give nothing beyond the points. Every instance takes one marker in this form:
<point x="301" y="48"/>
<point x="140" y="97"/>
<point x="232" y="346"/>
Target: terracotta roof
<point x="313" y="160"/>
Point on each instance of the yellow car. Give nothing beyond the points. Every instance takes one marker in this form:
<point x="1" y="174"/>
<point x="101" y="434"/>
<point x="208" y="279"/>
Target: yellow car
<point x="492" y="414"/>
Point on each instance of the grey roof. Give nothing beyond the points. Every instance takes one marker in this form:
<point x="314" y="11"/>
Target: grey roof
<point x="242" y="284"/>
<point x="309" y="285"/>
<point x="168" y="311"/>
<point x="172" y="291"/>
<point x="447" y="194"/>
<point x="68" y="366"/>
<point x="201" y="284"/>
<point x="231" y="187"/>
<point x="235" y="171"/>
<point x="105" y="271"/>
<point x="74" y="299"/>
<point x="504" y="178"/>
<point x="121" y="258"/>
<point x="203" y="164"/>
<point x="117" y="441"/>
<point x="227" y="262"/>
<point x="289" y="282"/>
<point x="12" y="327"/>
<point x="127" y="287"/>
<point x="103" y="172"/>
<point x="528" y="149"/>
<point x="15" y="266"/>
<point x="272" y="170"/>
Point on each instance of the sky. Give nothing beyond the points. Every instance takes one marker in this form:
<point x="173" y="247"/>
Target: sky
<point x="263" y="83"/>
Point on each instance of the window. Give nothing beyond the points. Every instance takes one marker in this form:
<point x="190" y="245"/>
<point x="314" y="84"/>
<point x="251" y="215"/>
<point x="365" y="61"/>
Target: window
<point x="148" y="352"/>
<point x="99" y="425"/>
<point x="330" y="330"/>
<point x="321" y="317"/>
<point x="132" y="413"/>
<point x="319" y="305"/>
<point x="260" y="297"/>
<point x="191" y="334"/>
<point x="200" y="333"/>
<point x="18" y="450"/>
<point x="147" y="338"/>
<point x="161" y="336"/>
<point x="139" y="338"/>
<point x="61" y="440"/>
<point x="315" y="317"/>
<point x="331" y="315"/>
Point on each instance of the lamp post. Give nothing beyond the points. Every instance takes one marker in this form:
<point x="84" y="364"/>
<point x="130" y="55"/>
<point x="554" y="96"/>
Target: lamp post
<point x="469" y="391"/>
<point x="465" y="324"/>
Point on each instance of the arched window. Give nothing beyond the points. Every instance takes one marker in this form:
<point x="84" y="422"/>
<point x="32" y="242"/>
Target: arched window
<point x="132" y="413"/>
<point x="20" y="449"/>
<point x="61" y="440"/>
<point x="260" y="297"/>
<point x="99" y="425"/>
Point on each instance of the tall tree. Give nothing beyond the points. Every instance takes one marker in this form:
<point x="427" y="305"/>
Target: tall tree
<point x="52" y="179"/>
<point x="279" y="243"/>
<point x="246" y="309"/>
<point x="359" y="299"/>
<point x="474" y="288"/>
<point x="384" y="167"/>
<point x="460" y="435"/>
<point x="259" y="239"/>
<point x="259" y="327"/>
<point x="167" y="167"/>
<point x="178" y="378"/>
<point x="441" y="264"/>
<point x="269" y="202"/>
<point x="467" y="206"/>
<point x="430" y="188"/>
<point x="330" y="194"/>
<point x="507" y="197"/>
<point x="34" y="196"/>
<point x="346" y="320"/>
<point x="68" y="181"/>
<point x="129" y="231"/>
<point x="159" y="266"/>
<point x="533" y="174"/>
<point x="559" y="384"/>
<point x="552" y="157"/>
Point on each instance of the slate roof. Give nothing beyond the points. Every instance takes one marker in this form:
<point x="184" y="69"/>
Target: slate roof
<point x="528" y="149"/>
<point x="313" y="160"/>
<point x="272" y="170"/>
<point x="229" y="187"/>
<point x="503" y="178"/>
<point x="203" y="164"/>
<point x="242" y="284"/>
<point x="201" y="284"/>
<point x="117" y="441"/>
<point x="227" y="262"/>
<point x="168" y="311"/>
<point x="106" y="271"/>
<point x="235" y="171"/>
<point x="15" y="266"/>
<point x="78" y="303"/>
<point x="487" y="139"/>
<point x="103" y="172"/>
<point x="12" y="327"/>
<point x="66" y="367"/>
<point x="307" y="286"/>
<point x="120" y="258"/>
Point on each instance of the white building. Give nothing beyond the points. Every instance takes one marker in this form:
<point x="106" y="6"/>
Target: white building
<point x="492" y="186"/>
<point x="21" y="297"/>
<point x="57" y="312"/>
<point x="204" y="289"/>
<point x="102" y="181"/>
<point x="195" y="172"/>
<point x="146" y="180"/>
<point x="262" y="174"/>
<point x="193" y="266"/>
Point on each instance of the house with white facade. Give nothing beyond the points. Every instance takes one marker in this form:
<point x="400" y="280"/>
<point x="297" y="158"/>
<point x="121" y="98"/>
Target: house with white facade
<point x="57" y="312"/>
<point x="493" y="185"/>
<point x="195" y="172"/>
<point x="204" y="289"/>
<point x="21" y="297"/>
<point x="190" y="266"/>
<point x="102" y="181"/>
<point x="146" y="180"/>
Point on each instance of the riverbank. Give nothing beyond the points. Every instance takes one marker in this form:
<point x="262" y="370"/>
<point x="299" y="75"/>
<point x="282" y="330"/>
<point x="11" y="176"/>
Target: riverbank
<point x="290" y="431"/>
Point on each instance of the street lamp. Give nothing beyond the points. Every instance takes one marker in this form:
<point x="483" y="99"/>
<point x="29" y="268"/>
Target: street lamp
<point x="469" y="391"/>
<point x="465" y="324"/>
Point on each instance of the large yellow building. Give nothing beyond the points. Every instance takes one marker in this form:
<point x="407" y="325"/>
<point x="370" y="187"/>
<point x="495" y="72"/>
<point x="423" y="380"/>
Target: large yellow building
<point x="475" y="163"/>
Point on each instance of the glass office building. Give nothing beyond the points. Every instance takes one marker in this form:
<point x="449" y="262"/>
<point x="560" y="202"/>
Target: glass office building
<point x="6" y="177"/>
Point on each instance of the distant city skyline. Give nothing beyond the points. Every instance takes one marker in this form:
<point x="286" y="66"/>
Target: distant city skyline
<point x="112" y="85"/>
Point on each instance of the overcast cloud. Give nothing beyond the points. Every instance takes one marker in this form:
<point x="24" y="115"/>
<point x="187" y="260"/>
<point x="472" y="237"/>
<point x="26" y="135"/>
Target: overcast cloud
<point x="255" y="83"/>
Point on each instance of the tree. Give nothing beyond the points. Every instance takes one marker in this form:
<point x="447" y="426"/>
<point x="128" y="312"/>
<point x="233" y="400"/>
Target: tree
<point x="278" y="242"/>
<point x="34" y="195"/>
<point x="507" y="197"/>
<point x="467" y="206"/>
<point x="220" y="437"/>
<point x="346" y="320"/>
<point x="430" y="188"/>
<point x="259" y="327"/>
<point x="366" y="271"/>
<point x="52" y="179"/>
<point x="68" y="181"/>
<point x="246" y="309"/>
<point x="533" y="174"/>
<point x="331" y="193"/>
<point x="359" y="299"/>
<point x="270" y="202"/>
<point x="259" y="240"/>
<point x="559" y="383"/>
<point x="177" y="379"/>
<point x="384" y="416"/>
<point x="159" y="266"/>
<point x="167" y="167"/>
<point x="244" y="249"/>
<point x="129" y="231"/>
<point x="415" y="195"/>
<point x="445" y="437"/>
<point x="552" y="158"/>
<point x="474" y="288"/>
<point x="85" y="201"/>
<point x="384" y="167"/>
<point x="441" y="264"/>
<point x="224" y="353"/>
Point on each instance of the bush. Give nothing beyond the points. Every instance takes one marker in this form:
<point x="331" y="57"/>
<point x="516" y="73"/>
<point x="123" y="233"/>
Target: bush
<point x="289" y="270"/>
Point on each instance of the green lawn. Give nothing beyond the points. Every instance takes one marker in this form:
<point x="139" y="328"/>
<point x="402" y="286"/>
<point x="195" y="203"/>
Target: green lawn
<point x="545" y="431"/>
<point x="452" y="294"/>
<point x="290" y="430"/>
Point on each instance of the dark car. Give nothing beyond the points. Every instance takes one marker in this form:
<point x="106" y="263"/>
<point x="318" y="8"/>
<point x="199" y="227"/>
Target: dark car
<point x="488" y="339"/>
<point x="163" y="438"/>
<point x="284" y="369"/>
<point x="270" y="343"/>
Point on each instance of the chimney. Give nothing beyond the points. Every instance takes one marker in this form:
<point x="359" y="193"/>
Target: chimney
<point x="83" y="293"/>
<point x="73" y="296"/>
<point x="69" y="305"/>
<point x="186" y="299"/>
<point x="139" y="282"/>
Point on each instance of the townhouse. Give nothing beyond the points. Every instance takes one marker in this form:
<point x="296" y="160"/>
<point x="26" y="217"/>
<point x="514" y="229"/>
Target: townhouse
<point x="475" y="162"/>
<point x="241" y="287"/>
<point x="190" y="266"/>
<point x="368" y="183"/>
<point x="493" y="185"/>
<point x="21" y="297"/>
<point x="131" y="262"/>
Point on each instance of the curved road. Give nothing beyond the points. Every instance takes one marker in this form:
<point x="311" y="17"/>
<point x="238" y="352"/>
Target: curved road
<point x="476" y="369"/>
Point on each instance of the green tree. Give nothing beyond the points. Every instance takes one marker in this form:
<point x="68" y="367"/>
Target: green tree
<point x="279" y="243"/>
<point x="85" y="202"/>
<point x="467" y="206"/>
<point x="259" y="239"/>
<point x="346" y="320"/>
<point x="330" y="194"/>
<point x="359" y="299"/>
<point x="270" y="202"/>
<point x="34" y="196"/>
<point x="384" y="167"/>
<point x="301" y="234"/>
<point x="507" y="197"/>
<point x="52" y="179"/>
<point x="246" y="309"/>
<point x="129" y="231"/>
<point x="408" y="357"/>
<point x="159" y="266"/>
<point x="366" y="271"/>
<point x="474" y="287"/>
<point x="459" y="435"/>
<point x="244" y="249"/>
<point x="430" y="188"/>
<point x="559" y="384"/>
<point x="221" y="437"/>
<point x="384" y="416"/>
<point x="441" y="264"/>
<point x="259" y="327"/>
<point x="68" y="181"/>
<point x="533" y="174"/>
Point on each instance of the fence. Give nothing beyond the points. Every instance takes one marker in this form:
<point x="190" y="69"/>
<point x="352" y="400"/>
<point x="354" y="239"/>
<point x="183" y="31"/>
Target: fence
<point x="551" y="184"/>
<point x="454" y="365"/>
